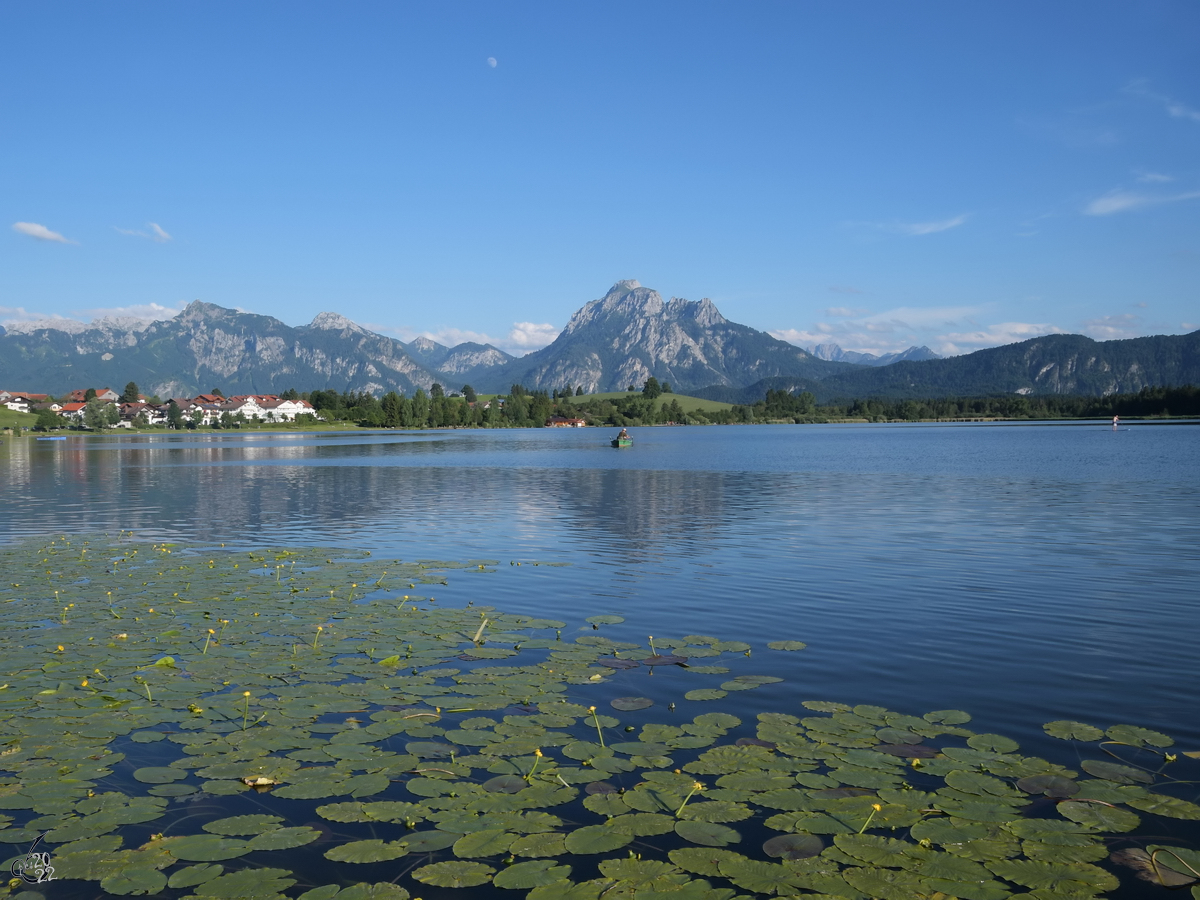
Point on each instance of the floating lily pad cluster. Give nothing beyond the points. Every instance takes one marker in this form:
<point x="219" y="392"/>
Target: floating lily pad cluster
<point x="166" y="710"/>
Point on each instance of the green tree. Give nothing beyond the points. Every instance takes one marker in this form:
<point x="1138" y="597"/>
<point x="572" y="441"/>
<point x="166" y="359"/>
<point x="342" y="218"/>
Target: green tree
<point x="420" y="410"/>
<point x="47" y="419"/>
<point x="131" y="393"/>
<point x="289" y="394"/>
<point x="651" y="389"/>
<point x="579" y="391"/>
<point x="393" y="409"/>
<point x="216" y="392"/>
<point x="89" y="395"/>
<point x="436" y="391"/>
<point x="468" y="393"/>
<point x="666" y="387"/>
<point x="175" y="415"/>
<point x="112" y="414"/>
<point x="93" y="415"/>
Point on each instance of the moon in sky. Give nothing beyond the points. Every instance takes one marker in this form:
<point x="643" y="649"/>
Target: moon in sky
<point x="492" y="61"/>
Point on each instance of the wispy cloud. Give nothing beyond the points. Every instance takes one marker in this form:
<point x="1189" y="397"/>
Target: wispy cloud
<point x="522" y="338"/>
<point x="40" y="232"/>
<point x="916" y="229"/>
<point x="17" y="318"/>
<point x="532" y="335"/>
<point x="1107" y="328"/>
<point x="956" y="343"/>
<point x="156" y="233"/>
<point x="1145" y="177"/>
<point x="1176" y="109"/>
<point x="845" y="312"/>
<point x="1123" y="201"/>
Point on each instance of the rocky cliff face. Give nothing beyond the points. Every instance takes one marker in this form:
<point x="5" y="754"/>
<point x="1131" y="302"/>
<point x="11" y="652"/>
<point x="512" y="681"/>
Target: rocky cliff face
<point x="207" y="345"/>
<point x="631" y="333"/>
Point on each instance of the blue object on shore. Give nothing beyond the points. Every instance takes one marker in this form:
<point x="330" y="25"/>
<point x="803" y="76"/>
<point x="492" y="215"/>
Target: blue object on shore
<point x="52" y="439"/>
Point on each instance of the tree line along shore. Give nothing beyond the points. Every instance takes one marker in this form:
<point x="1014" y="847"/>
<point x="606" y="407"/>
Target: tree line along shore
<point x="653" y="404"/>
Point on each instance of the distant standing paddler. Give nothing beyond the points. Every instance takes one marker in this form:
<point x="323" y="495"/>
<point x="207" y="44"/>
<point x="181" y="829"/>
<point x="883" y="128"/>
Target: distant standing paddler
<point x="1116" y="421"/>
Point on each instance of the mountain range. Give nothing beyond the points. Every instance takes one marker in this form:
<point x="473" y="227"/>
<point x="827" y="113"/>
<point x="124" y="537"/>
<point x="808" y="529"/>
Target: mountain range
<point x="620" y="339"/>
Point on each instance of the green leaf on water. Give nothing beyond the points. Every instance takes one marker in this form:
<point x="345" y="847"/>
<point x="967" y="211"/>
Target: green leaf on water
<point x="604" y="620"/>
<point x="247" y="883"/>
<point x="134" y="881"/>
<point x="239" y="825"/>
<point x="454" y="874"/>
<point x="1111" y="771"/>
<point x="704" y="694"/>
<point x="1067" y="730"/>
<point x="948" y="717"/>
<point x="787" y="645"/>
<point x="488" y="842"/>
<point x="159" y="774"/>
<point x="1054" y="876"/>
<point x="1099" y="815"/>
<point x="539" y="845"/>
<point x="370" y="851"/>
<point x="708" y="833"/>
<point x="190" y="876"/>
<point x="205" y="847"/>
<point x="1162" y="805"/>
<point x="535" y="873"/>
<point x="793" y="846"/>
<point x="626" y="704"/>
<point x="595" y="839"/>
<point x="1138" y="737"/>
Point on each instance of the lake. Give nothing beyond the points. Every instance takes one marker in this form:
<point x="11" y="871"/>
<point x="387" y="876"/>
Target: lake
<point x="1023" y="572"/>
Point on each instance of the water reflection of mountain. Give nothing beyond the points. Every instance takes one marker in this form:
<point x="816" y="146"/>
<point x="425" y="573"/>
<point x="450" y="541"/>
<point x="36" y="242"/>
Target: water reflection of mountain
<point x="646" y="512"/>
<point x="370" y="494"/>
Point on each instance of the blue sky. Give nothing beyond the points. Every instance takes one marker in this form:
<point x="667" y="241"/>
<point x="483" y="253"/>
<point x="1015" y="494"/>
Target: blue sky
<point x="873" y="174"/>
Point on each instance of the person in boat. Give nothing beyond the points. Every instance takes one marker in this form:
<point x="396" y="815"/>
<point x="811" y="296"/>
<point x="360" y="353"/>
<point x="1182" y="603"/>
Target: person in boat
<point x="623" y="436"/>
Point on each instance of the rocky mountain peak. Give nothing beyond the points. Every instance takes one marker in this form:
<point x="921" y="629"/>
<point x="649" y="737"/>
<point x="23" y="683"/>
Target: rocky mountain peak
<point x="331" y="321"/>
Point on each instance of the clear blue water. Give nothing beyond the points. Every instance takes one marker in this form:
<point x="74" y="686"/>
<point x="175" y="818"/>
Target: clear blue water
<point x="1022" y="572"/>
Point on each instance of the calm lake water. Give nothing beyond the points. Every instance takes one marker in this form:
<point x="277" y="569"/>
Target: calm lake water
<point x="1021" y="572"/>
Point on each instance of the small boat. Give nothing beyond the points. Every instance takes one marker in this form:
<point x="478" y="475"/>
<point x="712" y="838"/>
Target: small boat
<point x="622" y="442"/>
<point x="52" y="439"/>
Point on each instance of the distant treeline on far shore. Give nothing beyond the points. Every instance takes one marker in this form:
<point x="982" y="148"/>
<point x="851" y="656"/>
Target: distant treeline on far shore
<point x="651" y="405"/>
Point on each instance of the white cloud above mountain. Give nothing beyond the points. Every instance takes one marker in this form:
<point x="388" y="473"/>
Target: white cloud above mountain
<point x="40" y="233"/>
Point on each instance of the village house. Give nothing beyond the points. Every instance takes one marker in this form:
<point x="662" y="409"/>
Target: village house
<point x="104" y="395"/>
<point x="564" y="422"/>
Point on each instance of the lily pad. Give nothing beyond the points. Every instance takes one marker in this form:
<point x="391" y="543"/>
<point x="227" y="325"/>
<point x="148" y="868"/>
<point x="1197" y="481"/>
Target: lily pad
<point x="1067" y="730"/>
<point x="159" y="774"/>
<point x="134" y="881"/>
<point x="454" y="874"/>
<point x="705" y="694"/>
<point x="627" y="704"/>
<point x="787" y="645"/>
<point x="1111" y="771"/>
<point x="239" y="825"/>
<point x="1102" y="816"/>
<point x="190" y="876"/>
<point x="595" y="839"/>
<point x="709" y="834"/>
<point x="429" y="841"/>
<point x="793" y="846"/>
<point x="370" y="851"/>
<point x="526" y="875"/>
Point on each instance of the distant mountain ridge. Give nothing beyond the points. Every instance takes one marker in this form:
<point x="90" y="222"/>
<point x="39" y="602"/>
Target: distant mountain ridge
<point x="207" y="345"/>
<point x="834" y="353"/>
<point x="622" y="338"/>
<point x="631" y="334"/>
